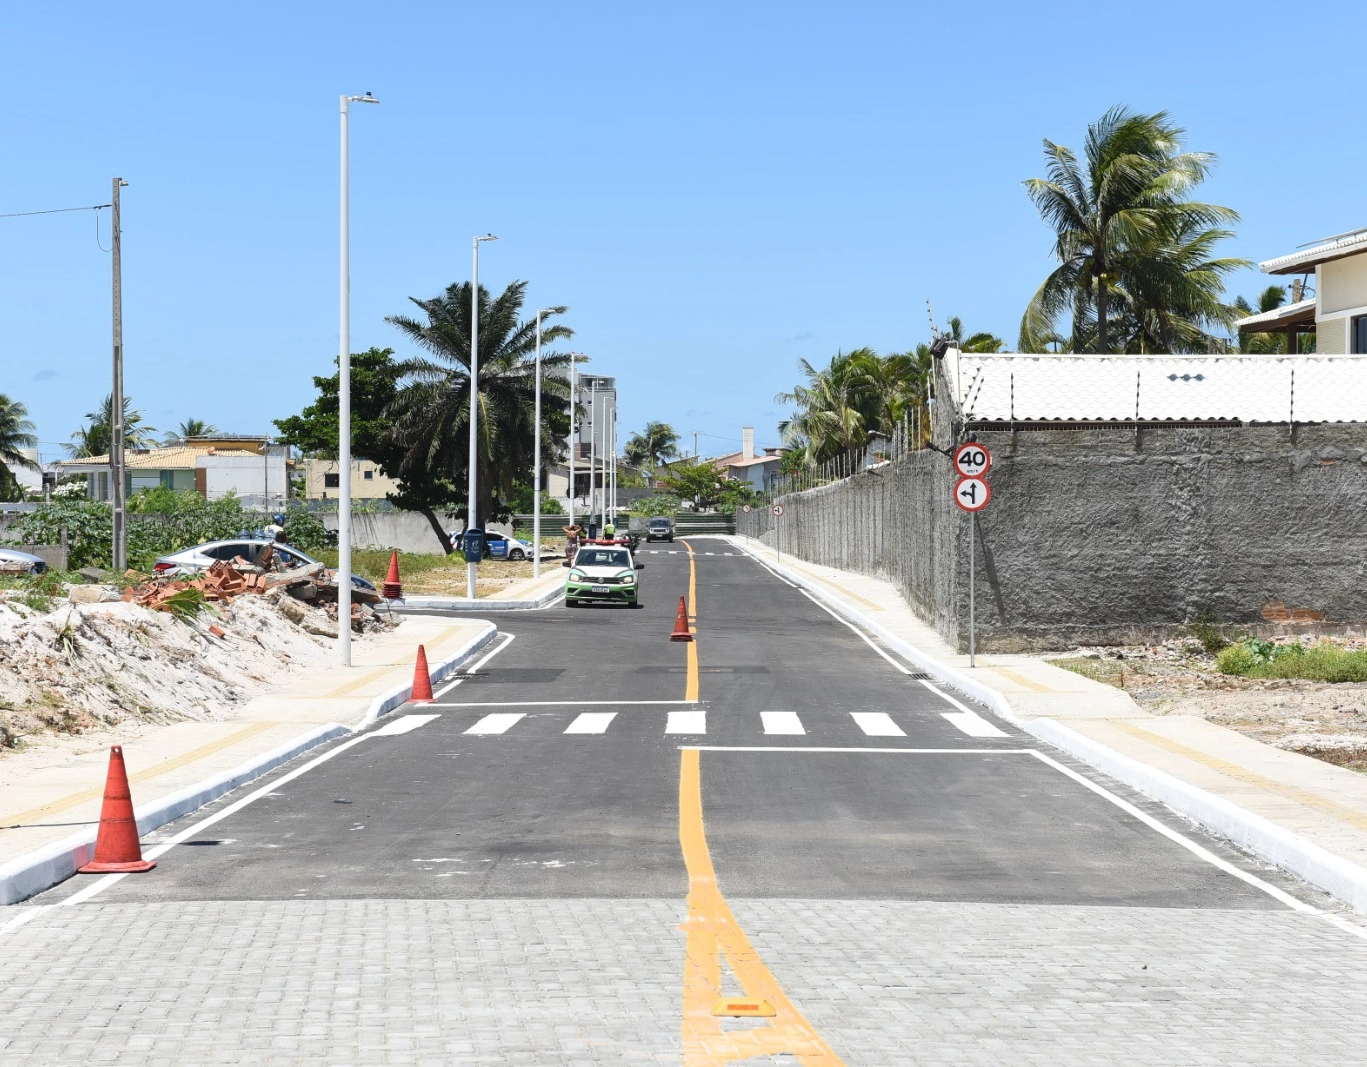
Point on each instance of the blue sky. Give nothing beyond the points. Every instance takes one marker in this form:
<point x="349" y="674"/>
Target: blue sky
<point x="715" y="189"/>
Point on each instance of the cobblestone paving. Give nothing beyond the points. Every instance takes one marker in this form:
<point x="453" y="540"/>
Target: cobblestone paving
<point x="600" y="982"/>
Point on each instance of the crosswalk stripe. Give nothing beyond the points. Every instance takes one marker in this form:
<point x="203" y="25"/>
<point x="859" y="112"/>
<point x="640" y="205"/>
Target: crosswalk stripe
<point x="877" y="724"/>
<point x="781" y="722"/>
<point x="591" y="722"/>
<point x="972" y="724"/>
<point x="686" y="722"/>
<point x="402" y="725"/>
<point x="497" y="723"/>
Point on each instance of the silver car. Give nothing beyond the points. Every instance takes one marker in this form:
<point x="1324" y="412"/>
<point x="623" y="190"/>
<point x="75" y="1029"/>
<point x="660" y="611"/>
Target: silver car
<point x="36" y="564"/>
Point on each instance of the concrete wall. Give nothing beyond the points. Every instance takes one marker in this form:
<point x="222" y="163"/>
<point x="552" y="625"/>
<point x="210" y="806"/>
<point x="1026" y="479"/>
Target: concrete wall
<point x="1342" y="284"/>
<point x="258" y="481"/>
<point x="405" y="530"/>
<point x="1109" y="536"/>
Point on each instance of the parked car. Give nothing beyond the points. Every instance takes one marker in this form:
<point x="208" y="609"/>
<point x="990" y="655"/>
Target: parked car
<point x="605" y="574"/>
<point x="660" y="529"/>
<point x="202" y="557"/>
<point x="36" y="564"/>
<point x="497" y="545"/>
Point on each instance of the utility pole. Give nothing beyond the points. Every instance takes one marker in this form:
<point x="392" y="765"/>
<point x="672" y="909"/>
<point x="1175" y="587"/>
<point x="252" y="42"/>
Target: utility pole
<point x="116" y="427"/>
<point x="695" y="446"/>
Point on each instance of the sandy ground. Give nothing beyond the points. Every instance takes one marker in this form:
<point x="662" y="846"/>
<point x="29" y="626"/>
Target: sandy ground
<point x="72" y="674"/>
<point x="1322" y="719"/>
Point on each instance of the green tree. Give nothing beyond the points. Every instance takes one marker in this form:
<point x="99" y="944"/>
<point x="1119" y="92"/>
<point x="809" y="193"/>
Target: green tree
<point x="374" y="385"/>
<point x="1133" y="250"/>
<point x="974" y="342"/>
<point x="1271" y="343"/>
<point x="96" y="436"/>
<point x="652" y="446"/>
<point x="16" y="434"/>
<point x="431" y="412"/>
<point x="697" y="481"/>
<point x="829" y="418"/>
<point x="189" y="428"/>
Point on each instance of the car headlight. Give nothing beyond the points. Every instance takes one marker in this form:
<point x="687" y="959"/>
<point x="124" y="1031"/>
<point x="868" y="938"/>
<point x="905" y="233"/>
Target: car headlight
<point x="576" y="576"/>
<point x="628" y="579"/>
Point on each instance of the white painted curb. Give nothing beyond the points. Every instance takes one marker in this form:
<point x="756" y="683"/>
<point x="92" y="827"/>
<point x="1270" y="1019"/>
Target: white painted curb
<point x="43" y="868"/>
<point x="421" y="605"/>
<point x="1287" y="849"/>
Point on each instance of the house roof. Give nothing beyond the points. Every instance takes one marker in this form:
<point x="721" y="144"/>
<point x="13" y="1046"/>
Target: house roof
<point x="1300" y="313"/>
<point x="756" y="460"/>
<point x="177" y="457"/>
<point x="1348" y="244"/>
<point x="1003" y="387"/>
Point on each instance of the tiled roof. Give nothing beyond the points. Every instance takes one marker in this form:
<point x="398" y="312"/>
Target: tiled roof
<point x="178" y="457"/>
<point x="1003" y="387"/>
<point x="1349" y="244"/>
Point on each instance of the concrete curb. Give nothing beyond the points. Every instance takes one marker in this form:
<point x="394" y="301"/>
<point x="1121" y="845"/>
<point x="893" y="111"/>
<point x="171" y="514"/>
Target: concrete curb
<point x="1289" y="850"/>
<point x="43" y="868"/>
<point x="442" y="605"/>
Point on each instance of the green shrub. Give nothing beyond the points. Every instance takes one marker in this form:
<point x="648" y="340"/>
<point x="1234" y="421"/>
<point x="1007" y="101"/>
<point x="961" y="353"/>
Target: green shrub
<point x="1236" y="659"/>
<point x="1208" y="633"/>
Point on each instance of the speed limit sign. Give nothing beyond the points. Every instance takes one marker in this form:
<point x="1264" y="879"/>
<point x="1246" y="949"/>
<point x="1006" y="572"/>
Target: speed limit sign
<point x="972" y="460"/>
<point x="777" y="509"/>
<point x="972" y="494"/>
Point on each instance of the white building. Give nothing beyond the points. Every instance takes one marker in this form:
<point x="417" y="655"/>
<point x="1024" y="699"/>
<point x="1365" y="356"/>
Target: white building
<point x="1337" y="312"/>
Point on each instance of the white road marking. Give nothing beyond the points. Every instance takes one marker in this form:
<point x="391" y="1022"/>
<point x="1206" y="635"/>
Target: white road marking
<point x="485" y="659"/>
<point x="781" y="722"/>
<point x="591" y="722"/>
<point x="686" y="722"/>
<point x="562" y="703"/>
<point x="447" y="687"/>
<point x="402" y="725"/>
<point x="972" y="724"/>
<point x="871" y="751"/>
<point x="497" y="723"/>
<point x="709" y="553"/>
<point x="877" y="724"/>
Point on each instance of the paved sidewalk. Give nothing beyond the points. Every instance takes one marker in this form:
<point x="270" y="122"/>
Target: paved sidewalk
<point x="1321" y="804"/>
<point x="527" y="594"/>
<point x="52" y="804"/>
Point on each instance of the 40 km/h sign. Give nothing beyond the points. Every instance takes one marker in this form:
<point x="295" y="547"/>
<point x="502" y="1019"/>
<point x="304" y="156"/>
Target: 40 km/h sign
<point x="972" y="494"/>
<point x="972" y="460"/>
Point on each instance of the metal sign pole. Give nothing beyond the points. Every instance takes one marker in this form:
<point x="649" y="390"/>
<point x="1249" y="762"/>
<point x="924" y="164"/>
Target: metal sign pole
<point x="972" y="602"/>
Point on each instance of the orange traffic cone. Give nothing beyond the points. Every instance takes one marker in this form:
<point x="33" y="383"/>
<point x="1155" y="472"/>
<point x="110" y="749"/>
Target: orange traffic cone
<point x="681" y="624"/>
<point x="117" y="850"/>
<point x="392" y="590"/>
<point x="422" y="681"/>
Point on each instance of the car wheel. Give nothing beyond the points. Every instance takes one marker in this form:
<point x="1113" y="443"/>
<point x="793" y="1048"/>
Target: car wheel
<point x="517" y="555"/>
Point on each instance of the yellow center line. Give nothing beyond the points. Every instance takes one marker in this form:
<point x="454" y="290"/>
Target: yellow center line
<point x="1242" y="774"/>
<point x="72" y="800"/>
<point x="692" y="583"/>
<point x="691" y="688"/>
<point x="713" y="932"/>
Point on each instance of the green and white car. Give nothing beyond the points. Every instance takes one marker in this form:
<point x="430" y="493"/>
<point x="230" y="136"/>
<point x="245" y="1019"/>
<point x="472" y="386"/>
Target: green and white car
<point x="605" y="573"/>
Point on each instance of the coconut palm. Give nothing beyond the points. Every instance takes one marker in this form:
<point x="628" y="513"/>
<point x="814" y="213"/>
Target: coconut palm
<point x="1127" y="239"/>
<point x="16" y="434"/>
<point x="432" y="407"/>
<point x="652" y="446"/>
<point x="96" y="436"/>
<point x="1263" y="344"/>
<point x="974" y="342"/>
<point x="828" y="420"/>
<point x="189" y="428"/>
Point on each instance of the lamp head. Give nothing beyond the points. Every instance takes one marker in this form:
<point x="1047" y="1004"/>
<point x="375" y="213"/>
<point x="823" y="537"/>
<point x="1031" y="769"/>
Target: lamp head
<point x="487" y="237"/>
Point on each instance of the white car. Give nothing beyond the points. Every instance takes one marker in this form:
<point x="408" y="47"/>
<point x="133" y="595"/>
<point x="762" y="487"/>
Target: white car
<point x="36" y="564"/>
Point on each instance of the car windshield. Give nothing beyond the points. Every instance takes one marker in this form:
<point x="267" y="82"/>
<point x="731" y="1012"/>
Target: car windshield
<point x="659" y="522"/>
<point x="602" y="557"/>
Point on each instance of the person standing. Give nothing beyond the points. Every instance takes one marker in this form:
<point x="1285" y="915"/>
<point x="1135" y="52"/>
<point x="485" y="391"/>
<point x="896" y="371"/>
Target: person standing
<point x="572" y="533"/>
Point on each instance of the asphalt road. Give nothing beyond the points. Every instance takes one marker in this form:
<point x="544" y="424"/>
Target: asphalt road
<point x="919" y="811"/>
<point x="594" y="819"/>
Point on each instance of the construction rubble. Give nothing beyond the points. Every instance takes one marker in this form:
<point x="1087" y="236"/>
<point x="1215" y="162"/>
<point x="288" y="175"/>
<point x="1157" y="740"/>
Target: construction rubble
<point x="307" y="595"/>
<point x="173" y="648"/>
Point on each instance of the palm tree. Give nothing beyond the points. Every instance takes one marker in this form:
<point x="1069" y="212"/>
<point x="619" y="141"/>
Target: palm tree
<point x="16" y="434"/>
<point x="974" y="342"/>
<point x="189" y="428"/>
<point x="432" y="409"/>
<point x="1126" y="233"/>
<point x="1262" y="344"/>
<point x="828" y="420"/>
<point x="652" y="446"/>
<point x="96" y="436"/>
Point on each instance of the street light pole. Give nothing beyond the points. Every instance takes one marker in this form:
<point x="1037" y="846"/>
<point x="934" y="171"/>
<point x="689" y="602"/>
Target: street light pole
<point x="574" y="426"/>
<point x="118" y="498"/>
<point x="344" y="401"/>
<point x="471" y="516"/>
<point x="536" y="476"/>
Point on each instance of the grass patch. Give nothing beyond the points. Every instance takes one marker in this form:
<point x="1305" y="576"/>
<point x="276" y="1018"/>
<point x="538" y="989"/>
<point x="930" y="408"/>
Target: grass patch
<point x="1107" y="671"/>
<point x="1325" y="662"/>
<point x="373" y="563"/>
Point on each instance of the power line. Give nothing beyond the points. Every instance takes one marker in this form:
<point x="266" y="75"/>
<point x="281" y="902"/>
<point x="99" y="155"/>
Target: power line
<point x="53" y="211"/>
